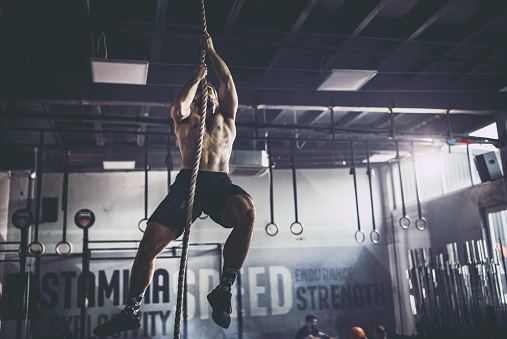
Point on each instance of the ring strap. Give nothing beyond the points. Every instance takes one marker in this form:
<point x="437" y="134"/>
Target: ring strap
<point x="31" y="251"/>
<point x="362" y="236"/>
<point x="59" y="252"/>
<point x="405" y="218"/>
<point x="269" y="229"/>
<point x="140" y="224"/>
<point x="292" y="228"/>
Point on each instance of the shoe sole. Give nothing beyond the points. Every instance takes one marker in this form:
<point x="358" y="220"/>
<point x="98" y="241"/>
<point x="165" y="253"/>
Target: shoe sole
<point x="218" y="316"/>
<point x="114" y="333"/>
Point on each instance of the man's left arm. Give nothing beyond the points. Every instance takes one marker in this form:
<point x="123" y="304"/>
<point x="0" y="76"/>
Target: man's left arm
<point x="228" y="97"/>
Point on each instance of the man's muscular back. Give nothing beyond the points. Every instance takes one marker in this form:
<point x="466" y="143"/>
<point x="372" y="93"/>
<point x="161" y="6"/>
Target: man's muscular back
<point x="219" y="135"/>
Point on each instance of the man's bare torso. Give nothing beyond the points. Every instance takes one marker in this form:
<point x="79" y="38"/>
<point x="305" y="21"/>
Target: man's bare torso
<point x="219" y="135"/>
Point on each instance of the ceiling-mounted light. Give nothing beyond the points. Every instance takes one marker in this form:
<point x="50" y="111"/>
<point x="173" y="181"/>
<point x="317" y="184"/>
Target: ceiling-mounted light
<point x="132" y="72"/>
<point x="119" y="165"/>
<point x="346" y="80"/>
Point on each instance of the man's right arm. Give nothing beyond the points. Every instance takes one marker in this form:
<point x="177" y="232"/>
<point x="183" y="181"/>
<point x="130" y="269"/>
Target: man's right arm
<point x="181" y="105"/>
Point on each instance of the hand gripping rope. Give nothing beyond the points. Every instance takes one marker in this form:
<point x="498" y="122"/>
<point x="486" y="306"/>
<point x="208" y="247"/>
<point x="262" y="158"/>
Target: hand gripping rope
<point x="193" y="181"/>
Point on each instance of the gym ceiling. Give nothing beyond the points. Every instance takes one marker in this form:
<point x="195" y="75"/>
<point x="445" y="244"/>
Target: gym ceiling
<point x="440" y="68"/>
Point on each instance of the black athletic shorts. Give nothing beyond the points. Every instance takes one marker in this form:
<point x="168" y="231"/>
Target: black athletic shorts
<point x="211" y="192"/>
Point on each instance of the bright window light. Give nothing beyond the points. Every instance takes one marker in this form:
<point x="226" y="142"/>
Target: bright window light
<point x="118" y="165"/>
<point x="489" y="131"/>
<point x="381" y="157"/>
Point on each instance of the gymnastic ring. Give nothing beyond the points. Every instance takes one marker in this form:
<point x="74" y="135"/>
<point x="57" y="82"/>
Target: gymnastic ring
<point x="423" y="221"/>
<point x="376" y="239"/>
<point x="139" y="225"/>
<point x="359" y="240"/>
<point x="294" y="224"/>
<point x="402" y="224"/>
<point x="59" y="252"/>
<point x="272" y="229"/>
<point x="203" y="216"/>
<point x="36" y="254"/>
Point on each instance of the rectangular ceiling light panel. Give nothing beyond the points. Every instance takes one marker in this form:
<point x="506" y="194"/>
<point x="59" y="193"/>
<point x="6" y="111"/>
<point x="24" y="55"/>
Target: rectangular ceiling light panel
<point x="346" y="80"/>
<point x="132" y="72"/>
<point x="119" y="165"/>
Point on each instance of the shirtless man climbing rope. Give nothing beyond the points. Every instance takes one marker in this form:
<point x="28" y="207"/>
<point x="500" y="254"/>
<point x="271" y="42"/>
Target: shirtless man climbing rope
<point x="227" y="204"/>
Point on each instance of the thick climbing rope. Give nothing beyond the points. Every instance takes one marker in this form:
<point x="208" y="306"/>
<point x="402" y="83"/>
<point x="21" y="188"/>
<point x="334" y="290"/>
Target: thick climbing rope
<point x="191" y="195"/>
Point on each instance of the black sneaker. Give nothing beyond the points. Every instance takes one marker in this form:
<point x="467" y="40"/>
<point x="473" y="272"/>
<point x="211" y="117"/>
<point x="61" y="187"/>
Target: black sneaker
<point x="220" y="302"/>
<point x="119" y="323"/>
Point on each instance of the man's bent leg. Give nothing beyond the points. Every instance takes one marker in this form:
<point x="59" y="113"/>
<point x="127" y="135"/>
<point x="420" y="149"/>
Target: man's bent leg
<point x="239" y="213"/>
<point x="156" y="238"/>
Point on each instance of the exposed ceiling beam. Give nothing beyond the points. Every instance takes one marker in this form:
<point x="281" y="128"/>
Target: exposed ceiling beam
<point x="231" y="21"/>
<point x="369" y="18"/>
<point x="87" y="34"/>
<point x="158" y="31"/>
<point x="233" y="16"/>
<point x="293" y="31"/>
<point x="351" y="119"/>
<point x="422" y="16"/>
<point x="385" y="120"/>
<point x="362" y="25"/>
<point x="467" y="67"/>
<point x="320" y="116"/>
<point x="278" y="115"/>
<point x="483" y="19"/>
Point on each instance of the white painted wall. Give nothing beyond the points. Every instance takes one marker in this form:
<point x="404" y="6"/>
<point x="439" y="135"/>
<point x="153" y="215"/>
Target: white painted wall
<point x="326" y="207"/>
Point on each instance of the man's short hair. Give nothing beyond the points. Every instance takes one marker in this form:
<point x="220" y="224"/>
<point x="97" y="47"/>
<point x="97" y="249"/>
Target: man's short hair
<point x="197" y="102"/>
<point x="310" y="318"/>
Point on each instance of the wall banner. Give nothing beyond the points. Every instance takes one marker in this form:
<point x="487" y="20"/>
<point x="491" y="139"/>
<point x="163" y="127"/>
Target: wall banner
<point x="342" y="286"/>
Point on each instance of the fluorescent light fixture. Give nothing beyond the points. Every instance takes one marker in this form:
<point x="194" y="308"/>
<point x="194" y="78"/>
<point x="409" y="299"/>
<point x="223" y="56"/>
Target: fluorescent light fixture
<point x="132" y="72"/>
<point x="381" y="157"/>
<point x="119" y="165"/>
<point x="346" y="80"/>
<point x="419" y="110"/>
